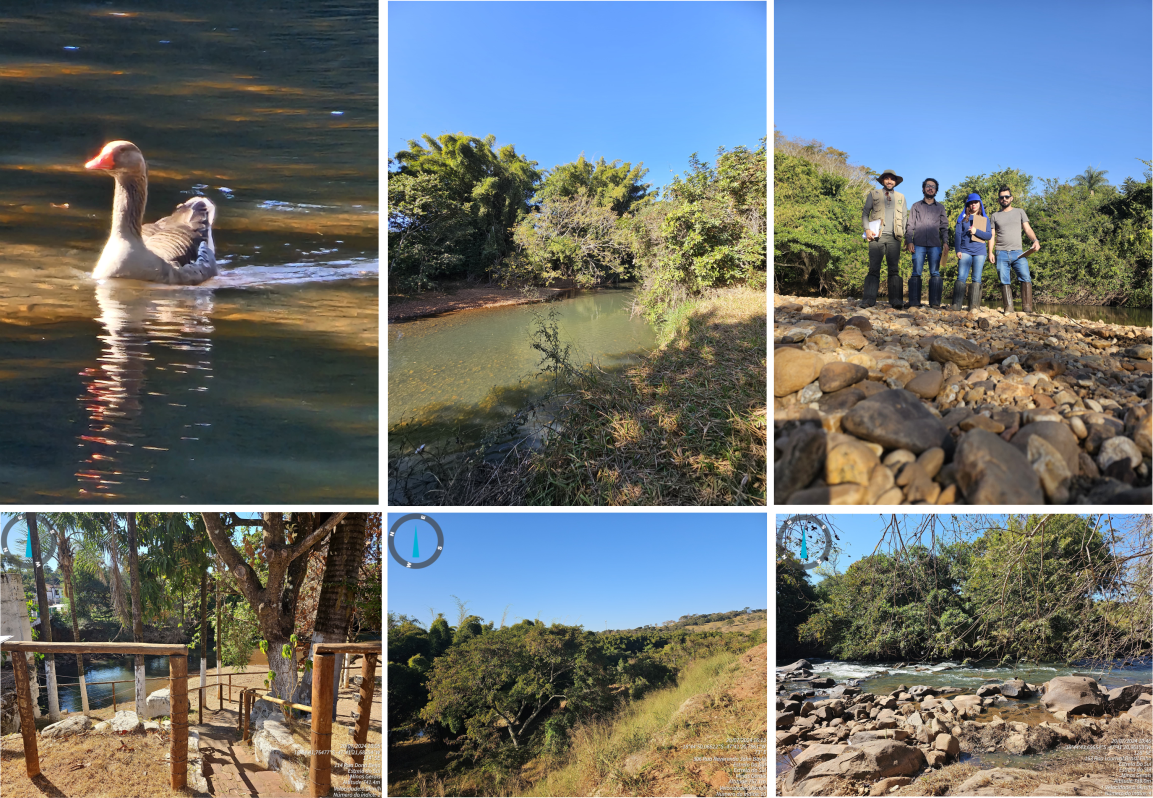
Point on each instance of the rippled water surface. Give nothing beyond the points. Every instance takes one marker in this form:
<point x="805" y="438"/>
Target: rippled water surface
<point x="258" y="385"/>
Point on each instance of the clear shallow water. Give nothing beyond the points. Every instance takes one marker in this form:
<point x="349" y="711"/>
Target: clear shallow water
<point x="262" y="383"/>
<point x="471" y="369"/>
<point x="116" y="670"/>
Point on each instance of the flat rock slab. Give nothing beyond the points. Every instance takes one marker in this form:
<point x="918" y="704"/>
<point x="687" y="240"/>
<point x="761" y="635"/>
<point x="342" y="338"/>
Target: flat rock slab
<point x="897" y="419"/>
<point x="71" y="725"/>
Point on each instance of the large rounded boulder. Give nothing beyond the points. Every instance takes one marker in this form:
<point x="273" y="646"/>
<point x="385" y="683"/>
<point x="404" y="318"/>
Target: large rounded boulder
<point x="1075" y="695"/>
<point x="872" y="761"/>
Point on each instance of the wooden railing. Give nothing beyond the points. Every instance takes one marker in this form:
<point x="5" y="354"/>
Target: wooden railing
<point x="320" y="766"/>
<point x="177" y="693"/>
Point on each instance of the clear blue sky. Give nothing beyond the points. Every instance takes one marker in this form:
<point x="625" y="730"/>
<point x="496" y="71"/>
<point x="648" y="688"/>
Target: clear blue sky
<point x="1060" y="86"/>
<point x="624" y="570"/>
<point x="651" y="82"/>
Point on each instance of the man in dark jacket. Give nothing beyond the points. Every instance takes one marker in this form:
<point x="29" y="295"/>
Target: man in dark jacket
<point x="927" y="235"/>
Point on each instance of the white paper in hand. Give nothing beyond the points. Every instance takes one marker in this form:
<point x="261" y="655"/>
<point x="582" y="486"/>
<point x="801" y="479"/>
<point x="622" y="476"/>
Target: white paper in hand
<point x="874" y="226"/>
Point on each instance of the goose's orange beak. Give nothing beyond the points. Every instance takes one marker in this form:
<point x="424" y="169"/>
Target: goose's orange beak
<point x="101" y="161"/>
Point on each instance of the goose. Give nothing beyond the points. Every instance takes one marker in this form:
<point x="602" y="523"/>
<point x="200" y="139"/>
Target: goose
<point x="177" y="250"/>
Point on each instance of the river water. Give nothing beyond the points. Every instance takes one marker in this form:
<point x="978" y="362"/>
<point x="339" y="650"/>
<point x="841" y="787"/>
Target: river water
<point x="470" y="370"/>
<point x="263" y="382"/>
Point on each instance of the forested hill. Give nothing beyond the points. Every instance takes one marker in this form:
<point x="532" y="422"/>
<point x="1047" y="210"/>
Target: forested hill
<point x="505" y="695"/>
<point x="699" y="622"/>
<point x="1095" y="237"/>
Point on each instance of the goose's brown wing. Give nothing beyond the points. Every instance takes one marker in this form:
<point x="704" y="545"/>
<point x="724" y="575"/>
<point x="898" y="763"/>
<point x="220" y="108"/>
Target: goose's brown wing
<point x="177" y="238"/>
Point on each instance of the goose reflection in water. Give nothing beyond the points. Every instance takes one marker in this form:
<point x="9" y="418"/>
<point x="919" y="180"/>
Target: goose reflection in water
<point x="134" y="428"/>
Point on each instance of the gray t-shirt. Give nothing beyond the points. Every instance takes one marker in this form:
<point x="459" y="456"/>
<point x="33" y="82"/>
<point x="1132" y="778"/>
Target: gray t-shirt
<point x="1007" y="226"/>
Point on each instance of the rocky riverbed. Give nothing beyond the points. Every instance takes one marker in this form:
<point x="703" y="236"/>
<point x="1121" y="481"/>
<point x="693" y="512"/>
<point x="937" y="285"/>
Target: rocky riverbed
<point x="838" y="740"/>
<point x="925" y="406"/>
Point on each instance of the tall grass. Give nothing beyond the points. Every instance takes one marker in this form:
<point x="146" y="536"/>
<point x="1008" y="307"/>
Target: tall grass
<point x="599" y="746"/>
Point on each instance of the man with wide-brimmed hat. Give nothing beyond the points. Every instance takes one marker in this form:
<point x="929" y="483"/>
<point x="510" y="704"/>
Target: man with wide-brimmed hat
<point x="886" y="206"/>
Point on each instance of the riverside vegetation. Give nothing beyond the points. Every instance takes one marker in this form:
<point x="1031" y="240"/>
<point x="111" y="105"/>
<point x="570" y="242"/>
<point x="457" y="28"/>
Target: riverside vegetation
<point x="482" y="709"/>
<point x="685" y="426"/>
<point x="1096" y="238"/>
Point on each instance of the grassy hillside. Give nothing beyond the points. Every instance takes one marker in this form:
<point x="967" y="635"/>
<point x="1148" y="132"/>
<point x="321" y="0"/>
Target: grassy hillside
<point x="650" y="747"/>
<point x="747" y="623"/>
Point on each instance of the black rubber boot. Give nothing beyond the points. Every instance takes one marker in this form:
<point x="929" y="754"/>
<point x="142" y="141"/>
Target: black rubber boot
<point x="936" y="288"/>
<point x="1007" y="298"/>
<point x="1027" y="297"/>
<point x="915" y="291"/>
<point x="872" y="286"/>
<point x="896" y="291"/>
<point x="974" y="296"/>
<point x="958" y="294"/>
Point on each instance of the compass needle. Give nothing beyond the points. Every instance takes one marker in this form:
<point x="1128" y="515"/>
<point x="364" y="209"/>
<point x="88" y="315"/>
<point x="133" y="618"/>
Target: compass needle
<point x="415" y="544"/>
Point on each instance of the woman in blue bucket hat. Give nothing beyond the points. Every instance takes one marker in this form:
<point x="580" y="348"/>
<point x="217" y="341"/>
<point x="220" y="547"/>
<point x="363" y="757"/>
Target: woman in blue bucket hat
<point x="971" y="246"/>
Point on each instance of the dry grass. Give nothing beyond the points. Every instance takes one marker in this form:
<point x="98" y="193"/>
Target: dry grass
<point x="684" y="427"/>
<point x="90" y="766"/>
<point x="748" y="623"/>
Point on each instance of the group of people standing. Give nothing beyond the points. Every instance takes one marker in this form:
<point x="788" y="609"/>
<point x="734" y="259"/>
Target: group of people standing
<point x="925" y="230"/>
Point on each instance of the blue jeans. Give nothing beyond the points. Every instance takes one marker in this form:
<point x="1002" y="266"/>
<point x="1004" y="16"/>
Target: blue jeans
<point x="1011" y="259"/>
<point x="919" y="254"/>
<point x="965" y="261"/>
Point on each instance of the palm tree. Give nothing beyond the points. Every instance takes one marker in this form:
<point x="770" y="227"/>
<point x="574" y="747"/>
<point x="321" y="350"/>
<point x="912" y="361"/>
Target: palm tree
<point x="66" y="533"/>
<point x="45" y="617"/>
<point x="1092" y="179"/>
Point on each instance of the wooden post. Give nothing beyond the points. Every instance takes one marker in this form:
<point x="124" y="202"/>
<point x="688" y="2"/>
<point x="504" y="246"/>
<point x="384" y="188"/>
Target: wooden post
<point x="27" y="723"/>
<point x="220" y="693"/>
<point x="360" y="733"/>
<point x="114" y="698"/>
<point x="178" y="697"/>
<point x="200" y="706"/>
<point x="320" y="768"/>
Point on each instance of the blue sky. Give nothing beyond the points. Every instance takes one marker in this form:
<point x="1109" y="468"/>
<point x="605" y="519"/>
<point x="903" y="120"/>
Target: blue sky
<point x="651" y="82"/>
<point x="1060" y="86"/>
<point x="599" y="570"/>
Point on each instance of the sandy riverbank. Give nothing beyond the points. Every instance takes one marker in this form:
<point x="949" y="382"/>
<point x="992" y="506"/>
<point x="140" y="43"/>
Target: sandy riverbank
<point x="464" y="297"/>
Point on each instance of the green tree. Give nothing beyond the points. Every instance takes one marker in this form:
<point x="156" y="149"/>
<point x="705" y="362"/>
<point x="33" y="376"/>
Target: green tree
<point x="571" y="238"/>
<point x="439" y="636"/>
<point x="796" y="600"/>
<point x="492" y="186"/>
<point x="1091" y="179"/>
<point x="614" y="186"/>
<point x="429" y="231"/>
<point x="709" y="231"/>
<point x="513" y="675"/>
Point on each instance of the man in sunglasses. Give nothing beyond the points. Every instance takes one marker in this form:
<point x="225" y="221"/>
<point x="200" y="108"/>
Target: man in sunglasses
<point x="884" y="209"/>
<point x="1005" y="249"/>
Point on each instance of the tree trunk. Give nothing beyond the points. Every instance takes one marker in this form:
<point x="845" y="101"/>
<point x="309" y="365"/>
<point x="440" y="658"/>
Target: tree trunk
<point x="219" y="649"/>
<point x="336" y="604"/>
<point x="203" y="631"/>
<point x="64" y="554"/>
<point x="137" y="620"/>
<point x="45" y="617"/>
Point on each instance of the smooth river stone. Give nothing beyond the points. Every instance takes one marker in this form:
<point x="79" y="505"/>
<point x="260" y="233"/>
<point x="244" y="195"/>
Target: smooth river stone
<point x="852" y="338"/>
<point x="840" y="401"/>
<point x="991" y="471"/>
<point x="801" y="460"/>
<point x="1060" y="436"/>
<point x="837" y="375"/>
<point x="957" y="350"/>
<point x="1118" y="448"/>
<point x="793" y="369"/>
<point x="852" y="461"/>
<point x="862" y="323"/>
<point x="896" y="419"/>
<point x="926" y="385"/>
